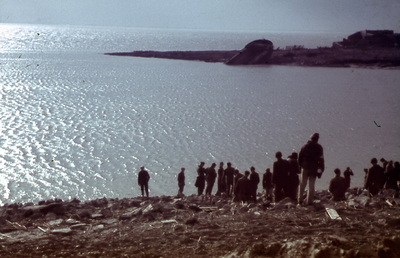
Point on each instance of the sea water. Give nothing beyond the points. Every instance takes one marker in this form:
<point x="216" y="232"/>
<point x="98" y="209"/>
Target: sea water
<point x="77" y="123"/>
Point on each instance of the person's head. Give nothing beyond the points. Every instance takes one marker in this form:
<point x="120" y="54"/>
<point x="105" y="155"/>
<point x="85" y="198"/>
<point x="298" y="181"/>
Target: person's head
<point x="374" y="161"/>
<point x="221" y="164"/>
<point x="268" y="170"/>
<point x="294" y="155"/>
<point x="142" y="167"/>
<point x="202" y="164"/>
<point x="314" y="137"/>
<point x="366" y="170"/>
<point x="337" y="171"/>
<point x="228" y="164"/>
<point x="383" y="160"/>
<point x="278" y="155"/>
<point x="213" y="165"/>
<point x="182" y="169"/>
<point x="397" y="164"/>
<point x="236" y="172"/>
<point x="252" y="169"/>
<point x="246" y="173"/>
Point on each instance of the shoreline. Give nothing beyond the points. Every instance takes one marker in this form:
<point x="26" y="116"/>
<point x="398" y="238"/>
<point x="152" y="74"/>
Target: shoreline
<point x="198" y="226"/>
<point x="321" y="57"/>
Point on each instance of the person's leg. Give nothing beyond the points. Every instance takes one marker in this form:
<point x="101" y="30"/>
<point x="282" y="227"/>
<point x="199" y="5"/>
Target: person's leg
<point x="303" y="184"/>
<point x="311" y="189"/>
<point x="146" y="186"/>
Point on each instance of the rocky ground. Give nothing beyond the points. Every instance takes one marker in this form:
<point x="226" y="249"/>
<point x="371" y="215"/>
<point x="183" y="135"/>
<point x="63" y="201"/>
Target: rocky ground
<point x="194" y="226"/>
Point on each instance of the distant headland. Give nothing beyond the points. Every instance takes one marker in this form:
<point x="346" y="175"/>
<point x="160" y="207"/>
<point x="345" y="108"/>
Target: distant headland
<point x="368" y="48"/>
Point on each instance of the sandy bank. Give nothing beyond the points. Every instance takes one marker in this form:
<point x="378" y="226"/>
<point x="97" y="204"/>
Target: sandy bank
<point x="195" y="226"/>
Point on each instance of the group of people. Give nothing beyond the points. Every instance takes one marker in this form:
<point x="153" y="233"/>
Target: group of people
<point x="289" y="177"/>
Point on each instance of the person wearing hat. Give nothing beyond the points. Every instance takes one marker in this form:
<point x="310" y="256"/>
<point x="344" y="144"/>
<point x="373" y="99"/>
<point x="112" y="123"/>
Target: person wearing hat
<point x="375" y="175"/>
<point x="280" y="173"/>
<point x="211" y="175"/>
<point x="337" y="186"/>
<point x="228" y="175"/>
<point x="201" y="178"/>
<point x="143" y="181"/>
<point x="312" y="164"/>
<point x="294" y="170"/>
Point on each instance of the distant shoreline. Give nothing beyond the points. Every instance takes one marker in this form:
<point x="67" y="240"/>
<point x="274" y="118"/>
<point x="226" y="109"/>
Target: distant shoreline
<point x="320" y="57"/>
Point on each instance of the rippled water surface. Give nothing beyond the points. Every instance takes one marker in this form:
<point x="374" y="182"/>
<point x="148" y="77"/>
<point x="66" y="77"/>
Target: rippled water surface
<point x="76" y="123"/>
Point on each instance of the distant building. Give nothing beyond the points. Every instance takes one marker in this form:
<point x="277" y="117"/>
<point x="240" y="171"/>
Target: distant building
<point x="370" y="39"/>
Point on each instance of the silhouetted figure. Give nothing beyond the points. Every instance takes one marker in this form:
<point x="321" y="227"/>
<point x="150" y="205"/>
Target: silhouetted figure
<point x="237" y="175"/>
<point x="267" y="184"/>
<point x="228" y="175"/>
<point x="143" y="181"/>
<point x="280" y="175"/>
<point x="201" y="179"/>
<point x="221" y="181"/>
<point x="338" y="186"/>
<point x="210" y="178"/>
<point x="243" y="188"/>
<point x="393" y="176"/>
<point x="181" y="180"/>
<point x="374" y="178"/>
<point x="294" y="170"/>
<point x="347" y="173"/>
<point x="311" y="162"/>
<point x="385" y="163"/>
<point x="254" y="181"/>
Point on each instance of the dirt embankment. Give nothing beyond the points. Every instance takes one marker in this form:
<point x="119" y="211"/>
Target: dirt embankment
<point x="321" y="57"/>
<point x="195" y="226"/>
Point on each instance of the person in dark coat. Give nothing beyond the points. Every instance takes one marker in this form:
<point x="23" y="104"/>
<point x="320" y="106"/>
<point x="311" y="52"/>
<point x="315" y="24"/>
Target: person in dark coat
<point x="267" y="184"/>
<point x="280" y="175"/>
<point x="338" y="186"/>
<point x="143" y="181"/>
<point x="221" y="181"/>
<point x="312" y="164"/>
<point x="294" y="170"/>
<point x="201" y="178"/>
<point x="374" y="178"/>
<point x="254" y="181"/>
<point x="347" y="173"/>
<point x="210" y="178"/>
<point x="237" y="176"/>
<point x="181" y="180"/>
<point x="243" y="188"/>
<point x="393" y="176"/>
<point x="228" y="175"/>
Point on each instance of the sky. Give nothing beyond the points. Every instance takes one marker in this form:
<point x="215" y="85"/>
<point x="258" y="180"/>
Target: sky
<point x="226" y="15"/>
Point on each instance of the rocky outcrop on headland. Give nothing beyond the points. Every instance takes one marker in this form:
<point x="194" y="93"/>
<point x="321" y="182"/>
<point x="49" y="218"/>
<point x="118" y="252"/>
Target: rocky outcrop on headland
<point x="368" y="49"/>
<point x="254" y="53"/>
<point x="196" y="226"/>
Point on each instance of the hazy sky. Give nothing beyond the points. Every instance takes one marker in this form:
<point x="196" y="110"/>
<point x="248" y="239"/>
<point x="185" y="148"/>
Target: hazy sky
<point x="240" y="15"/>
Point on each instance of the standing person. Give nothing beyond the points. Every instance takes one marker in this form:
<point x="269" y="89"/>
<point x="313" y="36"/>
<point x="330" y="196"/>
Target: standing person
<point x="347" y="173"/>
<point x="312" y="164"/>
<point x="243" y="187"/>
<point x="228" y="175"/>
<point x="221" y="181"/>
<point x="201" y="178"/>
<point x="393" y="176"/>
<point x="210" y="178"/>
<point x="143" y="181"/>
<point x="238" y="175"/>
<point x="374" y="178"/>
<point x="280" y="175"/>
<point x="294" y="170"/>
<point x="338" y="186"/>
<point x="181" y="180"/>
<point x="254" y="180"/>
<point x="267" y="184"/>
